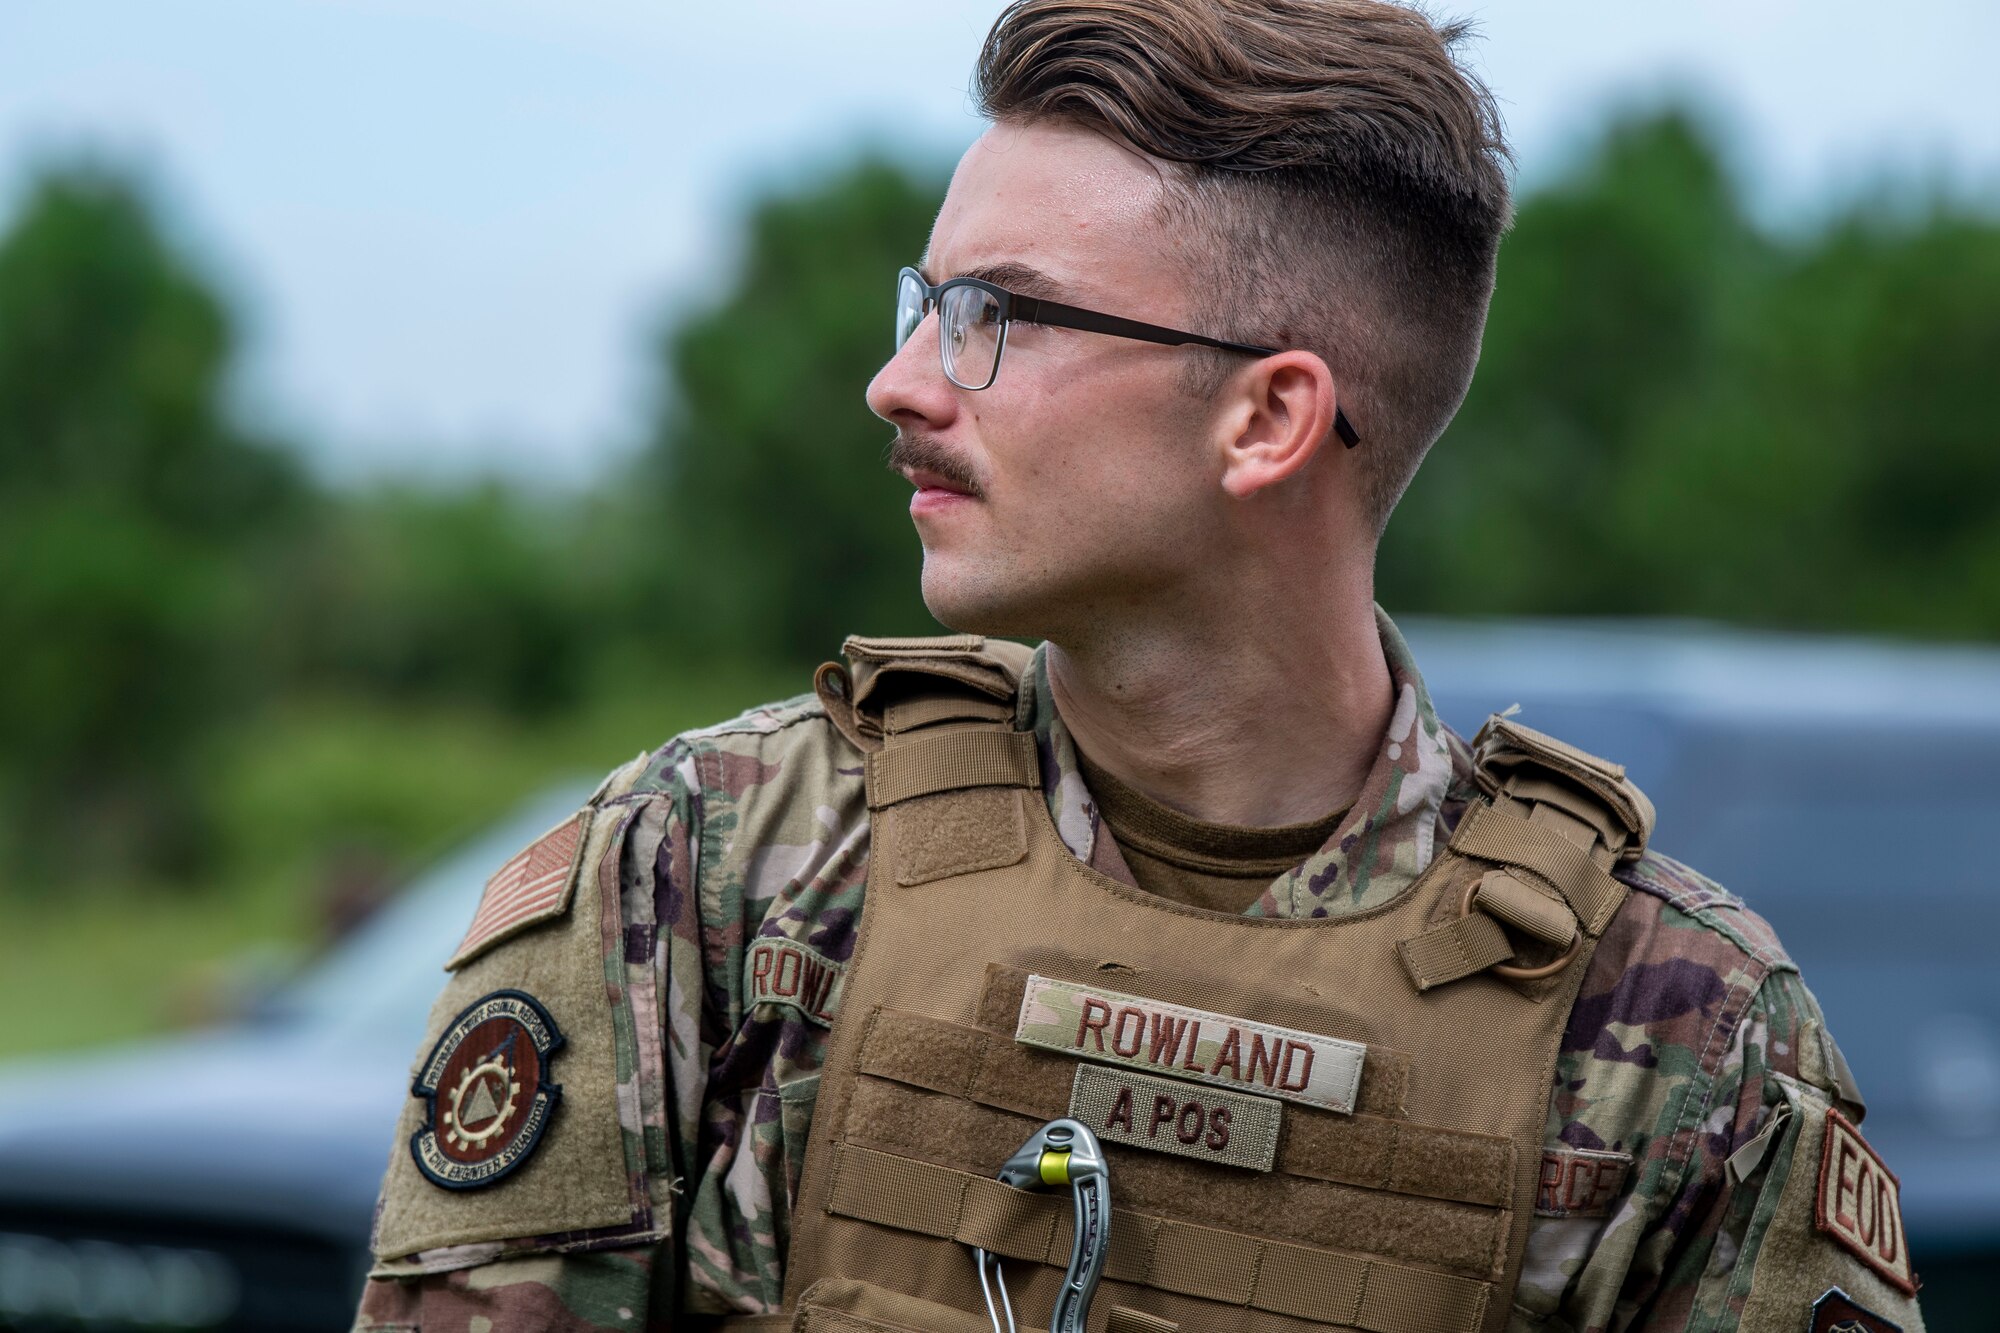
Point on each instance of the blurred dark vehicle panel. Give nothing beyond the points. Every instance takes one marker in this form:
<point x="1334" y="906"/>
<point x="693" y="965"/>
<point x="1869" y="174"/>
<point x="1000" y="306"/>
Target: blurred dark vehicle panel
<point x="226" y="1179"/>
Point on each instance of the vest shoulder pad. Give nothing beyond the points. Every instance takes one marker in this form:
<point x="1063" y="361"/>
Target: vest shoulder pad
<point x="1531" y="764"/>
<point x="967" y="674"/>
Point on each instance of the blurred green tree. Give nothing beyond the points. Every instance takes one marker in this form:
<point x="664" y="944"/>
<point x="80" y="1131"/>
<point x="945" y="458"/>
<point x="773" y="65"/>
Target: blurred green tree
<point x="1678" y="414"/>
<point x="476" y="594"/>
<point x="131" y="514"/>
<point x="778" y="530"/>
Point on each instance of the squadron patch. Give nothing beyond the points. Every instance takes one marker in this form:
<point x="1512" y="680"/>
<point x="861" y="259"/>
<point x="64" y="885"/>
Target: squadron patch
<point x="1860" y="1203"/>
<point x="486" y="1091"/>
<point x="1836" y="1312"/>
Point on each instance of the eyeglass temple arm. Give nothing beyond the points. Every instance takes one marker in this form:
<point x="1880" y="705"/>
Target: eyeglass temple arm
<point x="1036" y="311"/>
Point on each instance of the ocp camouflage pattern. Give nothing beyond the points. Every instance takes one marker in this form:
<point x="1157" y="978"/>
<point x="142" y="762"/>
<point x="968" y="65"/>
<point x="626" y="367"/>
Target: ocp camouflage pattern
<point x="1691" y="1030"/>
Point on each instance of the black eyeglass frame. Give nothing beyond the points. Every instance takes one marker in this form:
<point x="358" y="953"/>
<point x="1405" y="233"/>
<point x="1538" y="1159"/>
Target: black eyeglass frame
<point x="1035" y="310"/>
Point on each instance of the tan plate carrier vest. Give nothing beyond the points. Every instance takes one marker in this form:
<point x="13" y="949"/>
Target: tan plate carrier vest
<point x="1408" y="1215"/>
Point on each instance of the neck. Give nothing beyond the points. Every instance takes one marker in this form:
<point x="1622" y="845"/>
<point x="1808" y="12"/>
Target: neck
<point x="1251" y="720"/>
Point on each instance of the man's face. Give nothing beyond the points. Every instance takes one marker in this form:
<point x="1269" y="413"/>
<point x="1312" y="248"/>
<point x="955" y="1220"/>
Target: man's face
<point x="1084" y="481"/>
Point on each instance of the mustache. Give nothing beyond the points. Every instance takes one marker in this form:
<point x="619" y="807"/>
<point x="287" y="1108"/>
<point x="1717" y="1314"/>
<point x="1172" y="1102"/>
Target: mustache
<point x="922" y="453"/>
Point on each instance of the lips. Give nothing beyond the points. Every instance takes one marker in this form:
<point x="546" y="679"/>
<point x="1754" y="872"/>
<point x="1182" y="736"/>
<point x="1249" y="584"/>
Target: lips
<point x="925" y="480"/>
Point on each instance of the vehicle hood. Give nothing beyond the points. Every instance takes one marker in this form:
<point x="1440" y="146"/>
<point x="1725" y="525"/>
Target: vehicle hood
<point x="259" y="1124"/>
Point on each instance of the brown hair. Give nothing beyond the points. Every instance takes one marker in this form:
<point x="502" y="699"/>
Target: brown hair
<point x="1345" y="177"/>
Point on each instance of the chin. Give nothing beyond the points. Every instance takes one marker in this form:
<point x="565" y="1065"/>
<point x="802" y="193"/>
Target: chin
<point x="967" y="604"/>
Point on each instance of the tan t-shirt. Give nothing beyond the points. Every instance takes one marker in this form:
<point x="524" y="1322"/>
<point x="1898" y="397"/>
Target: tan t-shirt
<point x="1222" y="867"/>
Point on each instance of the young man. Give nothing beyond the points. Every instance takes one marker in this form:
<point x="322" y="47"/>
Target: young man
<point x="1380" y="1030"/>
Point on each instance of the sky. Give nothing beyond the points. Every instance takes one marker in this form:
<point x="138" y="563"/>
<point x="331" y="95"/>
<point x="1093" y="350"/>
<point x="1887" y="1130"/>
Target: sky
<point x="453" y="228"/>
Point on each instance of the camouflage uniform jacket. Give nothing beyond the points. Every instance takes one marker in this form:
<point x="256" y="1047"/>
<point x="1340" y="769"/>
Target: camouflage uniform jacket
<point x="1691" y="1041"/>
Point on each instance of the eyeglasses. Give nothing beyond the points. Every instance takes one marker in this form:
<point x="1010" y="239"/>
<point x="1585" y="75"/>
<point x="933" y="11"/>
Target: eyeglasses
<point x="973" y="316"/>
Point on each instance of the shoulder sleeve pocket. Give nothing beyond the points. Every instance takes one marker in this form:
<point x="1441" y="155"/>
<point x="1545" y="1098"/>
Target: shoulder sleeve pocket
<point x="1828" y="1220"/>
<point x="522" y="1128"/>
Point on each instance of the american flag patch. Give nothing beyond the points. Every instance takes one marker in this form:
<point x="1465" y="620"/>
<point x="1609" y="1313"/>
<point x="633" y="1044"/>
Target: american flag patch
<point x="533" y="887"/>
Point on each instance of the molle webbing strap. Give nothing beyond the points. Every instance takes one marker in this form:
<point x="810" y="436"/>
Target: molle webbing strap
<point x="951" y="759"/>
<point x="1537" y="767"/>
<point x="891" y="647"/>
<point x="928" y="709"/>
<point x="1372" y="1151"/>
<point x="1525" y="907"/>
<point x="1466" y="1239"/>
<point x="1173" y="1256"/>
<point x="1453" y="950"/>
<point x="1124" y="1319"/>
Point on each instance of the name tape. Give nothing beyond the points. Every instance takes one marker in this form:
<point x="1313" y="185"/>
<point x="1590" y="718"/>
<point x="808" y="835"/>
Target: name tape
<point x="1186" y="1043"/>
<point x="1580" y="1182"/>
<point x="1168" y="1115"/>
<point x="782" y="971"/>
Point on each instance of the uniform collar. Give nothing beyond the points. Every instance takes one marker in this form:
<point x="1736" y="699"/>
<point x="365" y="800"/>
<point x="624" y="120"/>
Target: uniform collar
<point x="1385" y="842"/>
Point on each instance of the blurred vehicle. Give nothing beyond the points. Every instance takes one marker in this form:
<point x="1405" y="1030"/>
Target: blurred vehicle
<point x="226" y="1179"/>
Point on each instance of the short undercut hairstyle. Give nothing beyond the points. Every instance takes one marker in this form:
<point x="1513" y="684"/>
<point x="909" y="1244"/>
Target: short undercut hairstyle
<point x="1340" y="178"/>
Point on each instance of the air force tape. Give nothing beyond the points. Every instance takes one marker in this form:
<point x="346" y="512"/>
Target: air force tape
<point x="486" y="1090"/>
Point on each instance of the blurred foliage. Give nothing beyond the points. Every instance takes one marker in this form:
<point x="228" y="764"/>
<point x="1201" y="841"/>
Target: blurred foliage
<point x="220" y="671"/>
<point x="1678" y="414"/>
<point x="472" y="597"/>
<point x="133" y="515"/>
<point x="779" y="528"/>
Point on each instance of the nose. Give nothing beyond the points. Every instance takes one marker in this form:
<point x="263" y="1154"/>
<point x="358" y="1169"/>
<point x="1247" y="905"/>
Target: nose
<point x="910" y="389"/>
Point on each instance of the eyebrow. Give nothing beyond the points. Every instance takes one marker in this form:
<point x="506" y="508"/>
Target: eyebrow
<point x="1015" y="277"/>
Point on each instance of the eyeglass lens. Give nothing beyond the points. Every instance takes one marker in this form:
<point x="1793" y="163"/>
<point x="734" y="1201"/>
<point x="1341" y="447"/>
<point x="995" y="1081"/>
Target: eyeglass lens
<point x="969" y="330"/>
<point x="909" y="308"/>
<point x="970" y="336"/>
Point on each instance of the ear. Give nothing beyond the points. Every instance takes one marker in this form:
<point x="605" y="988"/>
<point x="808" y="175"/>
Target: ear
<point x="1280" y="414"/>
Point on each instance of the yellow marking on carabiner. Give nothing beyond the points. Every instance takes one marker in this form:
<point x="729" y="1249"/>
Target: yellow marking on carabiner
<point x="1054" y="1167"/>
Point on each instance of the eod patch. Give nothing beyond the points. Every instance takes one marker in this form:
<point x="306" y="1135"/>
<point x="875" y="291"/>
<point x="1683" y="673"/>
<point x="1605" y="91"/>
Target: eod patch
<point x="486" y="1091"/>
<point x="1860" y="1203"/>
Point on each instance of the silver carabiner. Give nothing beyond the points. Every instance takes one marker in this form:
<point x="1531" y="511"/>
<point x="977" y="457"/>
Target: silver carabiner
<point x="1062" y="1152"/>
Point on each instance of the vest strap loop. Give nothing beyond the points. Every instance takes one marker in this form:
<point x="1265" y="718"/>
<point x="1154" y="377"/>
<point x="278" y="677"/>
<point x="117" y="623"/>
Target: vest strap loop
<point x="950" y="760"/>
<point x="1528" y="909"/>
<point x="1551" y="883"/>
<point x="1454" y="950"/>
<point x="1489" y="834"/>
<point x="892" y="685"/>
